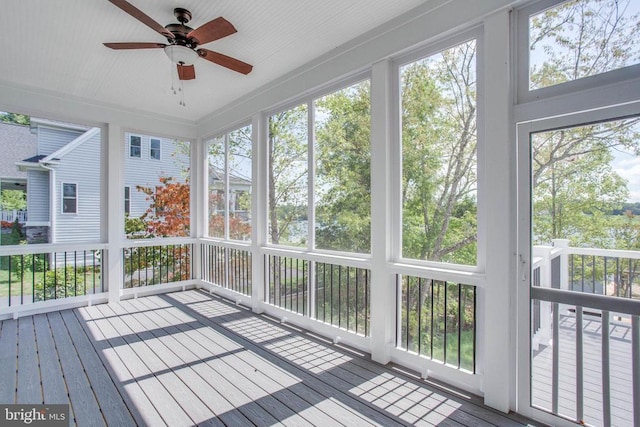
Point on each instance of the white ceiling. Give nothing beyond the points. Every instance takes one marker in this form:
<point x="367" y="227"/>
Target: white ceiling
<point x="57" y="46"/>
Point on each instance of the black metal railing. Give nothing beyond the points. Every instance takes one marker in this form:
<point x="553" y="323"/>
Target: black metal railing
<point x="342" y="296"/>
<point x="33" y="277"/>
<point x="438" y="320"/>
<point x="157" y="264"/>
<point x="288" y="283"/>
<point x="339" y="295"/>
<point x="604" y="275"/>
<point x="229" y="268"/>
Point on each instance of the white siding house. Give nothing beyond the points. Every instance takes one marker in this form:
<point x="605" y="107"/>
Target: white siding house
<point x="147" y="159"/>
<point x="64" y="179"/>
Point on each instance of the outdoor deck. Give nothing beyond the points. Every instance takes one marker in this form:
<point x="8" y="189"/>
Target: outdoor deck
<point x="189" y="358"/>
<point x="620" y="371"/>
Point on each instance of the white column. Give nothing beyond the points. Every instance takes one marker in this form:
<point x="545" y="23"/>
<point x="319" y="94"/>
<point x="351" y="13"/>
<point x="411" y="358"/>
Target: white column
<point x="563" y="244"/>
<point x="199" y="202"/>
<point x="382" y="281"/>
<point x="259" y="208"/>
<point x="498" y="321"/>
<point x="113" y="210"/>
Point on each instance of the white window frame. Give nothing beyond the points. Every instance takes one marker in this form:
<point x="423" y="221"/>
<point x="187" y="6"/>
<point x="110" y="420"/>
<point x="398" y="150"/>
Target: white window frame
<point x="396" y="196"/>
<point x="63" y="198"/>
<point x="524" y="94"/>
<point x="139" y="156"/>
<point x="310" y="100"/>
<point x="224" y="136"/>
<point x="151" y="149"/>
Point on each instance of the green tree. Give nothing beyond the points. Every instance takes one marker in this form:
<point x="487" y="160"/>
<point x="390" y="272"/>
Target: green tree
<point x="19" y="119"/>
<point x="343" y="163"/>
<point x="13" y="200"/>
<point x="575" y="186"/>
<point x="582" y="38"/>
<point x="287" y="153"/>
<point x="439" y="144"/>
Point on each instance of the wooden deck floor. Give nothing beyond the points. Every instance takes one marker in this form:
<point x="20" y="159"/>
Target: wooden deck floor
<point x="620" y="366"/>
<point x="188" y="358"/>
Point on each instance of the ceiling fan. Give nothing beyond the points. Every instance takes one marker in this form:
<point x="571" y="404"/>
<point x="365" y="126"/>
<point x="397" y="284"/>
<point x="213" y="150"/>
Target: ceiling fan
<point x="183" y="41"/>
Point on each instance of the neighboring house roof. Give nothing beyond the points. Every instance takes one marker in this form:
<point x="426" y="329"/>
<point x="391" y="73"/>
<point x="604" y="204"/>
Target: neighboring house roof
<point x="217" y="175"/>
<point x="36" y="162"/>
<point x="35" y="122"/>
<point x="16" y="143"/>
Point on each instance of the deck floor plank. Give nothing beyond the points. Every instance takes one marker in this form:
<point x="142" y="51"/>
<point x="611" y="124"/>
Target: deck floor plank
<point x="165" y="404"/>
<point x="189" y="358"/>
<point x="54" y="390"/>
<point x="160" y="360"/>
<point x="9" y="360"/>
<point x="140" y="405"/>
<point x="86" y="410"/>
<point x="268" y="377"/>
<point x="352" y="413"/>
<point x="109" y="399"/>
<point x="29" y="389"/>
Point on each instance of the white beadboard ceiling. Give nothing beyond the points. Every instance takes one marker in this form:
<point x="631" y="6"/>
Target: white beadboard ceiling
<point x="56" y="46"/>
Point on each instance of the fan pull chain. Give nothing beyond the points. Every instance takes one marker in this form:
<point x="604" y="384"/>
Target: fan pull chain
<point x="172" y="78"/>
<point x="181" y="90"/>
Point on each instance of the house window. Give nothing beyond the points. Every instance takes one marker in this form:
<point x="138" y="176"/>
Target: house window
<point x="127" y="200"/>
<point x="154" y="149"/>
<point x="69" y="198"/>
<point x="135" y="146"/>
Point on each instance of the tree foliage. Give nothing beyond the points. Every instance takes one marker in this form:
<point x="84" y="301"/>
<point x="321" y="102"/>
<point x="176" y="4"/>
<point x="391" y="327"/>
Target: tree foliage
<point x="582" y="38"/>
<point x="287" y="153"/>
<point x="13" y="200"/>
<point x="343" y="170"/>
<point x="168" y="212"/>
<point x="18" y="119"/>
<point x="575" y="186"/>
<point x="439" y="145"/>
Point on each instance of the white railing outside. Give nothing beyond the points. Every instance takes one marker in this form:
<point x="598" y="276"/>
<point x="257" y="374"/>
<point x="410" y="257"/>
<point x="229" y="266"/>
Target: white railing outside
<point x="10" y="216"/>
<point x="585" y="332"/>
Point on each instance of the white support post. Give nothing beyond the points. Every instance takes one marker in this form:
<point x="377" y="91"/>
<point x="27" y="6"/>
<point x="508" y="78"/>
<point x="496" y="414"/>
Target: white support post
<point x="498" y="320"/>
<point x="259" y="185"/>
<point x="199" y="203"/>
<point x="563" y="244"/>
<point x="113" y="212"/>
<point x="383" y="297"/>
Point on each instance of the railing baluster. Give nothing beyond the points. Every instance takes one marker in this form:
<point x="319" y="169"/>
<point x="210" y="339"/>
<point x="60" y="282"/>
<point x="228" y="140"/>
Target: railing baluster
<point x="9" y="295"/>
<point x="340" y="296"/>
<point x="635" y="369"/>
<point x="431" y="326"/>
<point x="446" y="288"/>
<point x="556" y="356"/>
<point x="579" y="364"/>
<point x="606" y="376"/>
<point x="459" y="323"/>
<point x="474" y="329"/>
<point x="357" y="297"/>
<point x="406" y="310"/>
<point x="419" y="315"/>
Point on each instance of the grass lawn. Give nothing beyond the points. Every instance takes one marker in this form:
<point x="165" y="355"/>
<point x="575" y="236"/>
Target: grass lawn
<point x="27" y="284"/>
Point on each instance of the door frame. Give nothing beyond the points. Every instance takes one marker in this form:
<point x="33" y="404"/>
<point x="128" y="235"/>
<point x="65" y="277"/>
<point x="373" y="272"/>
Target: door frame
<point x="524" y="130"/>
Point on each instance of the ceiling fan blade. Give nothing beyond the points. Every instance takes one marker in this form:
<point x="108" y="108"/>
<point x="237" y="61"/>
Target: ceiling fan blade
<point x="186" y="72"/>
<point x="142" y="17"/>
<point x="212" y="30"/>
<point x="134" y="45"/>
<point x="225" y="61"/>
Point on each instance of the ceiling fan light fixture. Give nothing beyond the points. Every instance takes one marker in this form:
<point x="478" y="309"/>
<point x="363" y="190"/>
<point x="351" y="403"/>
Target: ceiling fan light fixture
<point x="181" y="54"/>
